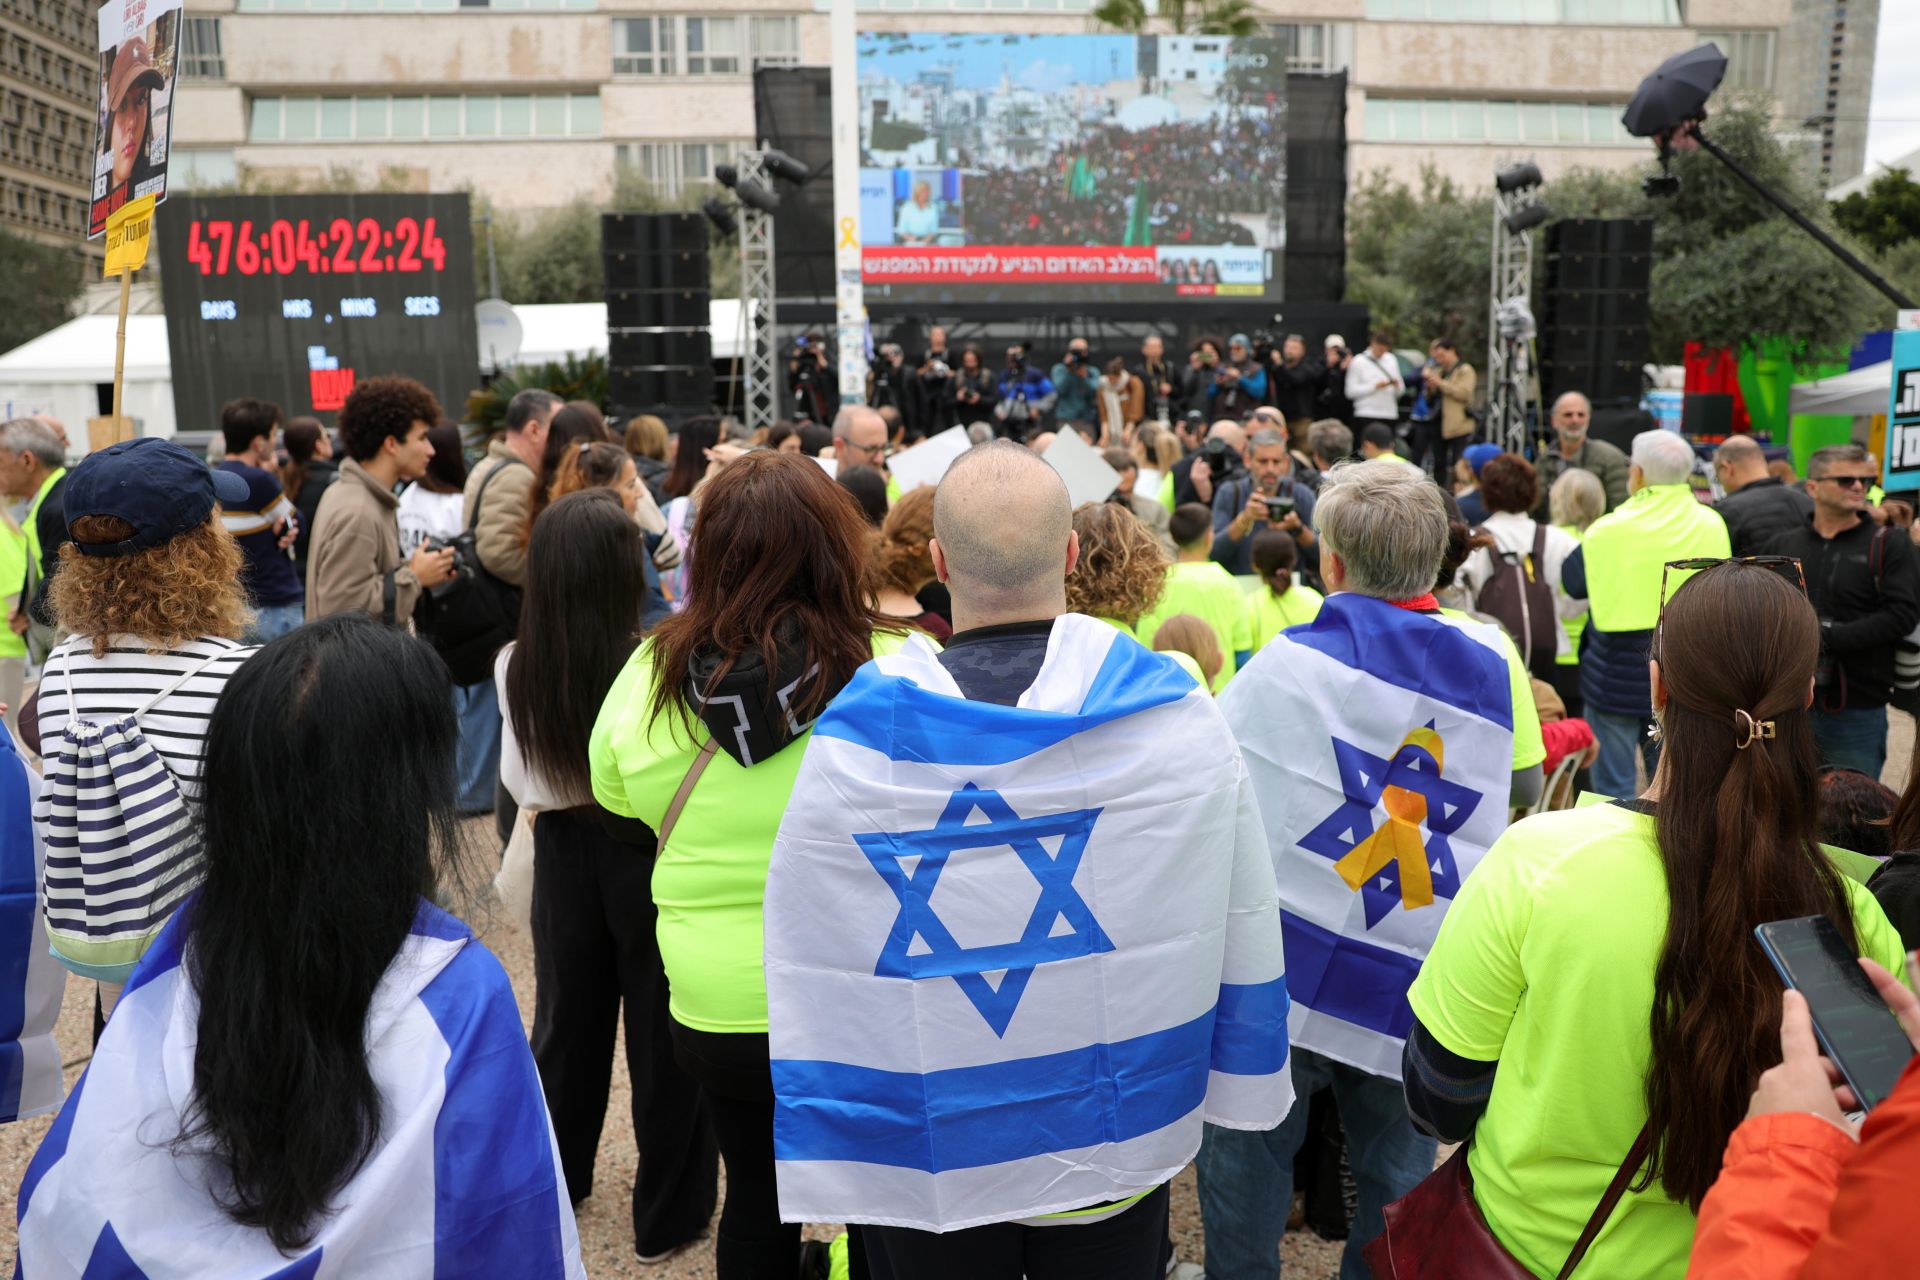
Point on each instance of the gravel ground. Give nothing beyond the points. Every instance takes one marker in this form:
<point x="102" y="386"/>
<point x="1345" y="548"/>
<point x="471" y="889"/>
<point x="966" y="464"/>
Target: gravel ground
<point x="605" y="1232"/>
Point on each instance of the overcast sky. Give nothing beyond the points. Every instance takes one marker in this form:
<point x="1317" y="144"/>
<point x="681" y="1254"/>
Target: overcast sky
<point x="1893" y="125"/>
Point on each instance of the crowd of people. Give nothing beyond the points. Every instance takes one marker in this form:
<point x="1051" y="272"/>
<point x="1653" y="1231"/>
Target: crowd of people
<point x="1287" y="732"/>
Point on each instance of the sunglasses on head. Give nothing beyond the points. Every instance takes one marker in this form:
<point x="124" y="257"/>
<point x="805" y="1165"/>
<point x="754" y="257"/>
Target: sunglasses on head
<point x="1787" y="567"/>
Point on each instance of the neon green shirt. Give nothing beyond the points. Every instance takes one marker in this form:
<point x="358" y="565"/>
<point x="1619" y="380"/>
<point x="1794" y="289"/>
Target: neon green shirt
<point x="13" y="573"/>
<point x="1209" y="593"/>
<point x="1625" y="550"/>
<point x="710" y="881"/>
<point x="1182" y="660"/>
<point x="1269" y="614"/>
<point x="1529" y="748"/>
<point x="1545" y="962"/>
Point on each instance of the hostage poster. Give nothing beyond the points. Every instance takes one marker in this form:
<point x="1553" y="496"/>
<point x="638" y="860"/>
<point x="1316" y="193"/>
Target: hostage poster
<point x="139" y="58"/>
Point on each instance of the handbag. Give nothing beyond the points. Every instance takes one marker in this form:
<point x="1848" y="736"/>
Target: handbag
<point x="1437" y="1232"/>
<point x="469" y="618"/>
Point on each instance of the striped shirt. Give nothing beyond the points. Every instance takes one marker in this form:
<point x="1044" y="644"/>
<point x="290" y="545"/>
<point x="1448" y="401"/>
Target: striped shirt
<point x="113" y="687"/>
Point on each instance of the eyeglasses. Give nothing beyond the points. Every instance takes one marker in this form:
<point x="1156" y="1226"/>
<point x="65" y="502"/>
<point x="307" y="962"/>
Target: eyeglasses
<point x="1848" y="482"/>
<point x="871" y="450"/>
<point x="1787" y="567"/>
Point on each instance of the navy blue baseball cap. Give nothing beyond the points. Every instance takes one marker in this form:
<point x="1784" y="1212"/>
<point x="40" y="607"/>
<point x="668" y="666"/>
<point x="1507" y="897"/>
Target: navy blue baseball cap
<point x="154" y="485"/>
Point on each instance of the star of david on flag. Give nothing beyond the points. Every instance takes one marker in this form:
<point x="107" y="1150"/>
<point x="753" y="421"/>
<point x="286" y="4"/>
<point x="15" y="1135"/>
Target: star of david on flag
<point x="1395" y="864"/>
<point x="911" y="863"/>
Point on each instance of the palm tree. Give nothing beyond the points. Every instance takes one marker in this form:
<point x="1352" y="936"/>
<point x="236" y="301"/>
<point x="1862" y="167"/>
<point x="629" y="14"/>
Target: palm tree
<point x="1183" y="17"/>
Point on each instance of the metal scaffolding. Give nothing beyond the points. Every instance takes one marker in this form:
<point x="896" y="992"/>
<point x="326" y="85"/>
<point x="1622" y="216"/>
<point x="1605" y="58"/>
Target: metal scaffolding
<point x="761" y="373"/>
<point x="1510" y="325"/>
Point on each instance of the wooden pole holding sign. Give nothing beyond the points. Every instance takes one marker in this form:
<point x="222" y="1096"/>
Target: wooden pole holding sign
<point x="129" y="233"/>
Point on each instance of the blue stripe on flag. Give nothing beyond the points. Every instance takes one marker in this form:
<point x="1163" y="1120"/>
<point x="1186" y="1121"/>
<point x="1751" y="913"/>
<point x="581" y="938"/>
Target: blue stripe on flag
<point x="1425" y="655"/>
<point x="1250" y="1028"/>
<point x="496" y="1189"/>
<point x="968" y="1117"/>
<point x="1347" y="979"/>
<point x="902" y="721"/>
<point x="19" y="896"/>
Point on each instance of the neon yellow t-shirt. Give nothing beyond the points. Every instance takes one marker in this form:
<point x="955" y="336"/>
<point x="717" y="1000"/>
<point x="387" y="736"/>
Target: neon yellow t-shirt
<point x="13" y="573"/>
<point x="710" y="881"/>
<point x="1545" y="962"/>
<point x="1529" y="748"/>
<point x="1184" y="661"/>
<point x="1269" y="614"/>
<point x="1209" y="593"/>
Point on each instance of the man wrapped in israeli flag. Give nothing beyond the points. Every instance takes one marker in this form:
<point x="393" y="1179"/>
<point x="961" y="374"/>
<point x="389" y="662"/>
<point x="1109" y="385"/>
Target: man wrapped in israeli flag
<point x="1381" y="742"/>
<point x="32" y="982"/>
<point x="1022" y="932"/>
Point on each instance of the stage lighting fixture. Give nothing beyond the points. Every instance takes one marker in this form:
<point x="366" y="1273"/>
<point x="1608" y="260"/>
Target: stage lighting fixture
<point x="782" y="165"/>
<point x="1519" y="177"/>
<point x="726" y="175"/>
<point x="1659" y="186"/>
<point x="720" y="214"/>
<point x="751" y="193"/>
<point x="1526" y="217"/>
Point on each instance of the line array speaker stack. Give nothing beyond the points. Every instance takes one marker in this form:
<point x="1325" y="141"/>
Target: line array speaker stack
<point x="1315" y="267"/>
<point x="1593" y="331"/>
<point x="659" y="347"/>
<point x="793" y="112"/>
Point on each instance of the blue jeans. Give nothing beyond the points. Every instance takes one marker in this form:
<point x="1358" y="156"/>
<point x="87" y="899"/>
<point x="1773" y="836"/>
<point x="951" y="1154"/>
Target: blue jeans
<point x="1620" y="737"/>
<point x="1246" y="1179"/>
<point x="477" y="757"/>
<point x="1852" y="739"/>
<point x="271" y="621"/>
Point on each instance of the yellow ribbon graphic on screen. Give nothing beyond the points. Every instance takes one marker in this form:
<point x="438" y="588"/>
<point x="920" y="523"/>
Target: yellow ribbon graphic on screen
<point x="1400" y="838"/>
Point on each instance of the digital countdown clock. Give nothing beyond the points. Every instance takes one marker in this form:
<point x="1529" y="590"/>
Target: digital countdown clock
<point x="296" y="298"/>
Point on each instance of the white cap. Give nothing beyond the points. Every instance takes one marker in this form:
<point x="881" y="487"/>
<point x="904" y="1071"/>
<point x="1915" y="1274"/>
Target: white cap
<point x="1334" y="340"/>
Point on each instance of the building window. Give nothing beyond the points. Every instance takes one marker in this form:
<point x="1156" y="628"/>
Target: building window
<point x="1749" y="57"/>
<point x="671" y="167"/>
<point x="403" y="118"/>
<point x="1607" y="13"/>
<point x="198" y="169"/>
<point x="200" y="53"/>
<point x="1310" y="45"/>
<point x="703" y="46"/>
<point x="1562" y="124"/>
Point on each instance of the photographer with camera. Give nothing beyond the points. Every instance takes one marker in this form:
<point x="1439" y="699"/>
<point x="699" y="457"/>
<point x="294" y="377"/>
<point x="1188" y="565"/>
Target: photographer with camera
<point x="933" y="409"/>
<point x="975" y="392"/>
<point x="811" y="382"/>
<point x="1026" y="397"/>
<point x="1860" y="578"/>
<point x="1293" y="381"/>
<point x="887" y="379"/>
<point x="1374" y="384"/>
<point x="1160" y="382"/>
<point x="1196" y="380"/>
<point x="1268" y="494"/>
<point x="1197" y="476"/>
<point x="1332" y="402"/>
<point x="1077" y="383"/>
<point x="1240" y="384"/>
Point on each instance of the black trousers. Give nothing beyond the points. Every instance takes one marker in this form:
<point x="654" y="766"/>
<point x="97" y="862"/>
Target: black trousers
<point x="594" y="952"/>
<point x="1128" y="1246"/>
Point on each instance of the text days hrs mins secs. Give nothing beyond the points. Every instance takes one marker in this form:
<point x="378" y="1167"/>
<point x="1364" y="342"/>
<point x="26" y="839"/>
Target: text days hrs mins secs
<point x="420" y="305"/>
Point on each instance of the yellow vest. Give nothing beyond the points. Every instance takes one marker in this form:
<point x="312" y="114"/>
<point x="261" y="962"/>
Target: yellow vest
<point x="1627" y="548"/>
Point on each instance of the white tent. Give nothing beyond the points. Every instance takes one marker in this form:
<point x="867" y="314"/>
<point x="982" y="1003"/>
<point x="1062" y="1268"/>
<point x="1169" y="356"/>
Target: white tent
<point x="1858" y="392"/>
<point x="68" y="371"/>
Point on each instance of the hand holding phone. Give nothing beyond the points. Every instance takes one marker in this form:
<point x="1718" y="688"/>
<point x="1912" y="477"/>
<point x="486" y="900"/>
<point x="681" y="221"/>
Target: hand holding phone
<point x="1850" y="1019"/>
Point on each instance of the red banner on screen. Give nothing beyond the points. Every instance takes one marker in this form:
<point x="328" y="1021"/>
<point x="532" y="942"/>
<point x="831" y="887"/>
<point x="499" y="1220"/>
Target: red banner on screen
<point x="1016" y="264"/>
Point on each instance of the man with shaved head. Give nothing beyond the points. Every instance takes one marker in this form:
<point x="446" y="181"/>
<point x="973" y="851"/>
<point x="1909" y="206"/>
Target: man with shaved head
<point x="1002" y="726"/>
<point x="1757" y="507"/>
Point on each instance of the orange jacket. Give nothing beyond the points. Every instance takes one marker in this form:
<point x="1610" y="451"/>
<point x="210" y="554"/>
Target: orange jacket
<point x="1799" y="1200"/>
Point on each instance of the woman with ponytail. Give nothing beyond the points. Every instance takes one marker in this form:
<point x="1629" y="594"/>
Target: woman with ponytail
<point x="1597" y="982"/>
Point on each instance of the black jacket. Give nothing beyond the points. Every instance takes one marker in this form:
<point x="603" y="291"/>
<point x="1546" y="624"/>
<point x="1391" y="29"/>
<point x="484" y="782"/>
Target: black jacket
<point x="1862" y="585"/>
<point x="1760" y="511"/>
<point x="51" y="521"/>
<point x="1295" y="392"/>
<point x="321" y="472"/>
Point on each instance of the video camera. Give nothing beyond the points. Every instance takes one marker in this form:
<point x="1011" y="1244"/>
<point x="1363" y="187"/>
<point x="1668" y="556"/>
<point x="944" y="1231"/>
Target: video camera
<point x="465" y="558"/>
<point x="1221" y="461"/>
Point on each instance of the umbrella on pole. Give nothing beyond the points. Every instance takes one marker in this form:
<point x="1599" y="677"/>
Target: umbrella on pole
<point x="1676" y="92"/>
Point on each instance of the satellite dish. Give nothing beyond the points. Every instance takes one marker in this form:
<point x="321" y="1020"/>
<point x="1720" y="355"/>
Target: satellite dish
<point x="500" y="333"/>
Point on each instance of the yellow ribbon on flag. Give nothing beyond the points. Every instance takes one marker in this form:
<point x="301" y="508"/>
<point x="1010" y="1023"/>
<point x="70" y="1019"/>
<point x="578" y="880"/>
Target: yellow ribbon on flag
<point x="1400" y="839"/>
<point x="129" y="232"/>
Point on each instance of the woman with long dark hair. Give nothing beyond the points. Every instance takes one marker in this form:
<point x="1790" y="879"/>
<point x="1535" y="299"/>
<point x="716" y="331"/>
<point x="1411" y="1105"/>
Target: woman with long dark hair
<point x="1598" y="973"/>
<point x="696" y="749"/>
<point x="309" y="470"/>
<point x="693" y="465"/>
<point x="595" y="957"/>
<point x="313" y="1057"/>
<point x="572" y="426"/>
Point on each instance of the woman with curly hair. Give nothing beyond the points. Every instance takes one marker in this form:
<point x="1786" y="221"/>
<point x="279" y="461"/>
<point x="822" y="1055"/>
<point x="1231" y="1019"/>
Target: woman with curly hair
<point x="1121" y="573"/>
<point x="149" y="589"/>
<point x="902" y="565"/>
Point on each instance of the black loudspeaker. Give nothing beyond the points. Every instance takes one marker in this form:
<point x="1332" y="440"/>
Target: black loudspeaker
<point x="647" y="234"/>
<point x="657" y="308"/>
<point x="667" y="349"/>
<point x="793" y="112"/>
<point x="1707" y="415"/>
<point x="685" y="390"/>
<point x="1619" y="426"/>
<point x="1315" y="264"/>
<point x="1593" y="326"/>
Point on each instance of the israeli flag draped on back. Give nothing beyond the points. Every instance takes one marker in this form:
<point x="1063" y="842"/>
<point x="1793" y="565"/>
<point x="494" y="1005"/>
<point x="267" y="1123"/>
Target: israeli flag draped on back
<point x="1016" y="955"/>
<point x="1380" y="742"/>
<point x="32" y="982"/>
<point x="464" y="1180"/>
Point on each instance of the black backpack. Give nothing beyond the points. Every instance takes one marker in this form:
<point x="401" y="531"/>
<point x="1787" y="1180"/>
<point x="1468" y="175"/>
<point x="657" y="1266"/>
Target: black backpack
<point x="470" y="616"/>
<point x="1520" y="597"/>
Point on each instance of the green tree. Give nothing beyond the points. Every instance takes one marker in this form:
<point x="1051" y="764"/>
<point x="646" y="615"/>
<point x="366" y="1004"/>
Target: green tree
<point x="1885" y="215"/>
<point x="43" y="283"/>
<point x="1182" y="17"/>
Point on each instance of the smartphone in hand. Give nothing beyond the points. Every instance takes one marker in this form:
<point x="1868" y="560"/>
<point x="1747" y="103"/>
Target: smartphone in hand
<point x="1855" y="1028"/>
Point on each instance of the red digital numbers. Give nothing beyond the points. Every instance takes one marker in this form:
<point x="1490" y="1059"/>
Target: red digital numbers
<point x="281" y="247"/>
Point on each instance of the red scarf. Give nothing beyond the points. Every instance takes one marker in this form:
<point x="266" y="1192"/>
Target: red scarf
<point x="1418" y="604"/>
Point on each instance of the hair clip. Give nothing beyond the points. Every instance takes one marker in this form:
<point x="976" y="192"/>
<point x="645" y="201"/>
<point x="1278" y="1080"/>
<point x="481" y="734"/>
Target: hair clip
<point x="1750" y="730"/>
